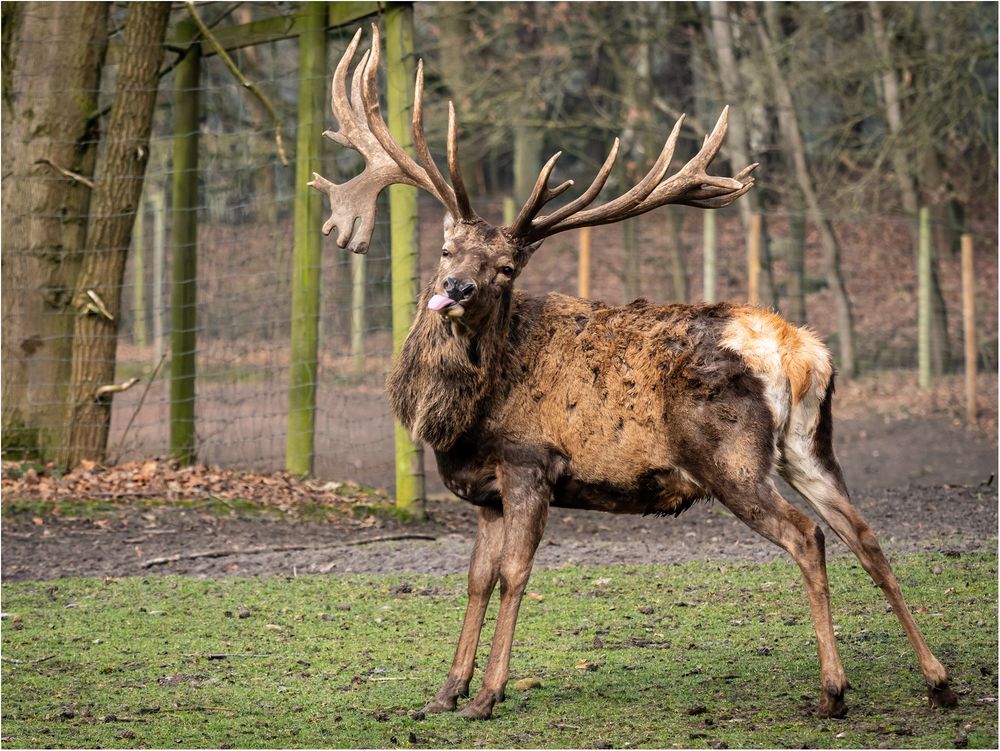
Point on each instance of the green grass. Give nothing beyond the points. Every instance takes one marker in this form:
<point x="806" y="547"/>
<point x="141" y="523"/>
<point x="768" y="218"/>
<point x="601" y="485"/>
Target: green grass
<point x="693" y="655"/>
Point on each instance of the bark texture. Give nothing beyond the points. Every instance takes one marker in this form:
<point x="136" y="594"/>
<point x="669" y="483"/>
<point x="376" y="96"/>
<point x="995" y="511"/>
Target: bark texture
<point x="117" y="191"/>
<point x="49" y="103"/>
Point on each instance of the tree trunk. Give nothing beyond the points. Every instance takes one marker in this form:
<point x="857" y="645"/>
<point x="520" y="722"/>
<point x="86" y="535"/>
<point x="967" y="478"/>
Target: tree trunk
<point x="908" y="189"/>
<point x="796" y="257"/>
<point x="739" y="140"/>
<point x="117" y="191"/>
<point x="792" y="135"/>
<point x="527" y="160"/>
<point x="676" y="256"/>
<point x="455" y="36"/>
<point x="49" y="102"/>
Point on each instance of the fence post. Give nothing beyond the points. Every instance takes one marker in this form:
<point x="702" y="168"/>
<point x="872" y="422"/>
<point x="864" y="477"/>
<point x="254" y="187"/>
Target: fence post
<point x="924" y="300"/>
<point x="753" y="260"/>
<point x="509" y="211"/>
<point x="405" y="246"/>
<point x="969" y="325"/>
<point x="184" y="250"/>
<point x="583" y="282"/>
<point x="358" y="264"/>
<point x="299" y="440"/>
<point x="159" y="201"/>
<point x="139" y="275"/>
<point x="708" y="257"/>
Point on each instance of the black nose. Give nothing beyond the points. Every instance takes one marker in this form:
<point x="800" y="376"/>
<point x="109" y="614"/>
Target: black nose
<point x="458" y="291"/>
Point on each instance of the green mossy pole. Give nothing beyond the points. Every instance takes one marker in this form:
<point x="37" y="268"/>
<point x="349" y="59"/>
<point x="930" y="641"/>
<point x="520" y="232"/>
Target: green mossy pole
<point x="139" y="275"/>
<point x="184" y="250"/>
<point x="924" y="300"/>
<point x="404" y="239"/>
<point x="300" y="438"/>
<point x="358" y="278"/>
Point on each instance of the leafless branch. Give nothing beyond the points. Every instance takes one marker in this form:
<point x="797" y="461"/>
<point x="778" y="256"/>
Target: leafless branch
<point x="67" y="173"/>
<point x="246" y="83"/>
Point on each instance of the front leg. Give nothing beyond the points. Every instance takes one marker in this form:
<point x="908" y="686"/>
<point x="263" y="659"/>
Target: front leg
<point x="526" y="498"/>
<point x="484" y="568"/>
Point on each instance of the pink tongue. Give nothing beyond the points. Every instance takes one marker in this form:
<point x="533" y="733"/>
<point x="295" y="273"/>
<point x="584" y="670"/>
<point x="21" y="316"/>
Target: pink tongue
<point x="440" y="302"/>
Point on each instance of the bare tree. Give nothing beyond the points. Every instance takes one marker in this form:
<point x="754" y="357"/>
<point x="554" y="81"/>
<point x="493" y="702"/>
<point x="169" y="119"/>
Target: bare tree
<point x="117" y="190"/>
<point x="795" y="146"/>
<point x="909" y="191"/>
<point x="49" y="150"/>
<point x="733" y="90"/>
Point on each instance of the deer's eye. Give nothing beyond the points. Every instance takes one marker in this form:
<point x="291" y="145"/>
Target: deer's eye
<point x="507" y="271"/>
<point x="445" y="253"/>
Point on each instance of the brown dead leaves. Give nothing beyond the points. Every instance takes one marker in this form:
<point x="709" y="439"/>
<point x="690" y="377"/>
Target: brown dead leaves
<point x="160" y="479"/>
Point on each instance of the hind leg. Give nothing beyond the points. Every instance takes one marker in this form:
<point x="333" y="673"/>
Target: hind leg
<point x="770" y="515"/>
<point x="820" y="480"/>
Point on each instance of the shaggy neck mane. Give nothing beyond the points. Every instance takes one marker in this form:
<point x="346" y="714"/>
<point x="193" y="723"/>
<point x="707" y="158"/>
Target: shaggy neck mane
<point x="443" y="379"/>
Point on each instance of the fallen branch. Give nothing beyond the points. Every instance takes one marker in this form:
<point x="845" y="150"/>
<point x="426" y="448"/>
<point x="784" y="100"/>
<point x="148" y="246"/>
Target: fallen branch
<point x="220" y="50"/>
<point x="390" y="538"/>
<point x="223" y="553"/>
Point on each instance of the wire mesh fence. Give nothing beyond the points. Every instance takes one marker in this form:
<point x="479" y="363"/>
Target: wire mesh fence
<point x="245" y="244"/>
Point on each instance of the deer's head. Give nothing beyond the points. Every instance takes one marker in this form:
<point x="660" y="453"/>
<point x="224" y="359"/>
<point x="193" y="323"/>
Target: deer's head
<point x="479" y="262"/>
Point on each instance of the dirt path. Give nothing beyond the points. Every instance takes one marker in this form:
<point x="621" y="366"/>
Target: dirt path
<point x="922" y="483"/>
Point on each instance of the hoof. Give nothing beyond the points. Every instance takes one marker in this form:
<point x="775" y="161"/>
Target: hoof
<point x="436" y="706"/>
<point x="832" y="705"/>
<point x="480" y="708"/>
<point x="473" y="712"/>
<point x="942" y="696"/>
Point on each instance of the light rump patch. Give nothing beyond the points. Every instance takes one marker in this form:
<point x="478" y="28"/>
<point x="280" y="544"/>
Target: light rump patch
<point x="775" y="349"/>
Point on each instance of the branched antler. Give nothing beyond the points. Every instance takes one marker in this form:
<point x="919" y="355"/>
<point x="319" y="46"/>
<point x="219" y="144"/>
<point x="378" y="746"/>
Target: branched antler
<point x="363" y="129"/>
<point x="691" y="185"/>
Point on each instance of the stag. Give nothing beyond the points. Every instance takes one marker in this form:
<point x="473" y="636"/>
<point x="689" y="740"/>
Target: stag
<point x="533" y="402"/>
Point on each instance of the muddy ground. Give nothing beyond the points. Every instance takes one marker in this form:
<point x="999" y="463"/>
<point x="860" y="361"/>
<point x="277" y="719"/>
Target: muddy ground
<point x="922" y="482"/>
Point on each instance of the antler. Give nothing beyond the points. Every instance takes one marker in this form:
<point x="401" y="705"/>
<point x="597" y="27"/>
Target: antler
<point x="363" y="129"/>
<point x="692" y="185"/>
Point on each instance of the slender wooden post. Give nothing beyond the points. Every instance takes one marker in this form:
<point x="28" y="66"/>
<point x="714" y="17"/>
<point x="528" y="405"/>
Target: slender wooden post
<point x="404" y="240"/>
<point x="306" y="281"/>
<point x="753" y="260"/>
<point x="159" y="201"/>
<point x="709" y="258"/>
<point x="139" y="275"/>
<point x="675" y="255"/>
<point x="509" y="211"/>
<point x="969" y="325"/>
<point x="358" y="312"/>
<point x="583" y="279"/>
<point x="184" y="250"/>
<point x="924" y="300"/>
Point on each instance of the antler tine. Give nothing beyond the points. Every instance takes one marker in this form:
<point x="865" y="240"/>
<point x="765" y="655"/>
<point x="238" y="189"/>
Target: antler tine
<point x="691" y="185"/>
<point x="461" y="196"/>
<point x="373" y="114"/>
<point x="543" y="224"/>
<point x="618" y="208"/>
<point x="540" y="195"/>
<point x="361" y="127"/>
<point x="346" y="116"/>
<point x="420" y="142"/>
